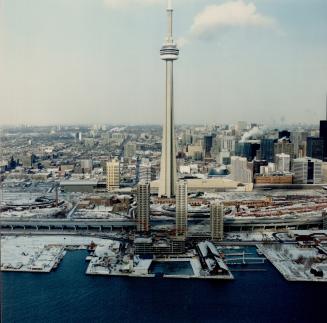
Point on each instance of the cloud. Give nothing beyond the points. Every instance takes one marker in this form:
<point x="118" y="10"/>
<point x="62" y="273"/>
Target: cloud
<point x="129" y="3"/>
<point x="230" y="14"/>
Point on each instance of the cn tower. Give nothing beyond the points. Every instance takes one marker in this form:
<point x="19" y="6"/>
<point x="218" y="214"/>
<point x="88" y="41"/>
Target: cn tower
<point x="169" y="53"/>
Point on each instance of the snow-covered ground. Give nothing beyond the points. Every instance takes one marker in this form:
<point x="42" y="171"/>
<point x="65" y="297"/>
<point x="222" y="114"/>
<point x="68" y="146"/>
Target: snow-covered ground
<point x="295" y="263"/>
<point x="99" y="212"/>
<point x="34" y="213"/>
<point x="40" y="253"/>
<point x="250" y="236"/>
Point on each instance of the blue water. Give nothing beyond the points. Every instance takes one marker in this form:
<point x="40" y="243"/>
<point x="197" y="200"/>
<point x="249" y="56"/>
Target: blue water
<point x="172" y="268"/>
<point x="68" y="295"/>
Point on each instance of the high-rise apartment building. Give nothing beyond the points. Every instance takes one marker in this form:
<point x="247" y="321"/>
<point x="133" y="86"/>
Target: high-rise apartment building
<point x="143" y="206"/>
<point x="307" y="171"/>
<point x="283" y="162"/>
<point x="146" y="172"/>
<point x="113" y="175"/>
<point x="181" y="208"/>
<point x="240" y="170"/>
<point x="217" y="221"/>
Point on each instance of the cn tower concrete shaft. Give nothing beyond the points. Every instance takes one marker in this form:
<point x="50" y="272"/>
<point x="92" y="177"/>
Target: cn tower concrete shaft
<point x="169" y="52"/>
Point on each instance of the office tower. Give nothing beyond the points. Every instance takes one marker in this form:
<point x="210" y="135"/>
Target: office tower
<point x="169" y="52"/>
<point x="129" y="150"/>
<point x="298" y="139"/>
<point x="283" y="146"/>
<point x="323" y="133"/>
<point x="247" y="149"/>
<point x="227" y="143"/>
<point x="267" y="150"/>
<point x="187" y="137"/>
<point x="181" y="208"/>
<point x="217" y="221"/>
<point x="284" y="134"/>
<point x="315" y="147"/>
<point x="307" y="171"/>
<point x="113" y="175"/>
<point x="241" y="170"/>
<point x="207" y="145"/>
<point x="283" y="162"/>
<point x="143" y="206"/>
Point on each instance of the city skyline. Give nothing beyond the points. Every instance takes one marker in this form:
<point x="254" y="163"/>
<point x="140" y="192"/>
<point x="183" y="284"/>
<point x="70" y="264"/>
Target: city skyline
<point x="90" y="68"/>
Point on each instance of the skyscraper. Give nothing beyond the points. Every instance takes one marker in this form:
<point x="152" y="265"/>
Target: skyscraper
<point x="217" y="221"/>
<point x="181" y="208"/>
<point x="283" y="162"/>
<point x="240" y="170"/>
<point x="207" y="143"/>
<point x="113" y="175"/>
<point x="315" y="147"/>
<point x="169" y="52"/>
<point x="143" y="206"/>
<point x="323" y="133"/>
<point x="284" y="134"/>
<point x="283" y="146"/>
<point x="267" y="149"/>
<point x="307" y="171"/>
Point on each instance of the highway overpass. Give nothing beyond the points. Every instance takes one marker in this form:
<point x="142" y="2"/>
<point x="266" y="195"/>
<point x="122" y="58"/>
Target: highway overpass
<point x="230" y="224"/>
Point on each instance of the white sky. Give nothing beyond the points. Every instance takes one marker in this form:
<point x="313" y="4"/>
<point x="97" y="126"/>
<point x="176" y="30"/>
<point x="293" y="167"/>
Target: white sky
<point x="97" y="61"/>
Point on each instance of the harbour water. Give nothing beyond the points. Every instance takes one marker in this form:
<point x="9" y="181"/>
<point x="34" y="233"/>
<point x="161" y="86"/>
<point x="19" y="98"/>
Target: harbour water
<point x="68" y="295"/>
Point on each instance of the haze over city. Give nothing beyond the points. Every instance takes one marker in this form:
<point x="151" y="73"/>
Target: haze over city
<point x="83" y="61"/>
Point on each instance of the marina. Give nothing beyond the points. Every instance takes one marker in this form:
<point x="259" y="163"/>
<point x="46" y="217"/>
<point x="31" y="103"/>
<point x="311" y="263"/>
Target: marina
<point x="108" y="257"/>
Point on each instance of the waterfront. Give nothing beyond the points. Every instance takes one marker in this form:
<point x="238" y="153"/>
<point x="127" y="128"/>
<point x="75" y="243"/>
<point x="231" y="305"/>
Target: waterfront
<point x="68" y="295"/>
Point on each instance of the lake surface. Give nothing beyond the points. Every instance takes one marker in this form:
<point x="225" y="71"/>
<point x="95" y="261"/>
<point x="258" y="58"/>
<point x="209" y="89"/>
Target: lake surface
<point x="171" y="268"/>
<point x="68" y="295"/>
